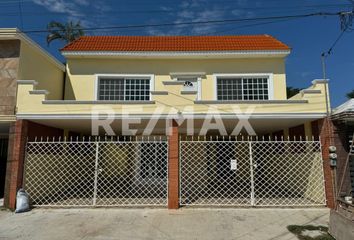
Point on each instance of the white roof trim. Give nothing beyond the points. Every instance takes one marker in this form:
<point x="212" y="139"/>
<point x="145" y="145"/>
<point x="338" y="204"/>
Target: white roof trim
<point x="320" y="81"/>
<point x="14" y="33"/>
<point x="273" y="53"/>
<point x="348" y="106"/>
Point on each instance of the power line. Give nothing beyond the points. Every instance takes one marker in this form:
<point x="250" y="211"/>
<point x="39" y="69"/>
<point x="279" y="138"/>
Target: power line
<point x="346" y="19"/>
<point x="201" y="22"/>
<point x="251" y="25"/>
<point x="109" y="12"/>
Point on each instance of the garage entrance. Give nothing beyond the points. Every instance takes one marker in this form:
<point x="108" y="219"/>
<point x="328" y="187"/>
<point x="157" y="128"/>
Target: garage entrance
<point x="120" y="172"/>
<point x="3" y="161"/>
<point x="251" y="173"/>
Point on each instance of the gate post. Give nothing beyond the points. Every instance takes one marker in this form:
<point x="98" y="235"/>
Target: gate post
<point x="15" y="161"/>
<point x="252" y="174"/>
<point x="173" y="167"/>
<point x="325" y="132"/>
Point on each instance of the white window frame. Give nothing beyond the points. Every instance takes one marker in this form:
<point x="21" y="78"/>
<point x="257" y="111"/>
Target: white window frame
<point x="269" y="76"/>
<point x="103" y="75"/>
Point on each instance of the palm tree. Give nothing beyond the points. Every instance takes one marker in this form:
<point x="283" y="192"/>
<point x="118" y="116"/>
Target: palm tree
<point x="67" y="32"/>
<point x="350" y="94"/>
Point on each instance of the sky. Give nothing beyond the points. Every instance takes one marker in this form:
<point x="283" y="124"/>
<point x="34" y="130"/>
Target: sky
<point x="308" y="37"/>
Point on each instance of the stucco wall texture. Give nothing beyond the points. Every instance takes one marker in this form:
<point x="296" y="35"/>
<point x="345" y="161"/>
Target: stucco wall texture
<point x="9" y="62"/>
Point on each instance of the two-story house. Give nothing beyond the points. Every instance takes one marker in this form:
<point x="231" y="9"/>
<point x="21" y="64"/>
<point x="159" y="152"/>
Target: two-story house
<point x="182" y="120"/>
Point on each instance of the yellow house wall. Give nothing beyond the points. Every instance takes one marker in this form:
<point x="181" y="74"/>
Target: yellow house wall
<point x="81" y="73"/>
<point x="34" y="65"/>
<point x="29" y="103"/>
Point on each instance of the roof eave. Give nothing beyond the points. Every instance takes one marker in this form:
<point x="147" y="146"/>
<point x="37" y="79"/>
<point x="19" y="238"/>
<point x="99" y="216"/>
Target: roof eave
<point x="179" y="54"/>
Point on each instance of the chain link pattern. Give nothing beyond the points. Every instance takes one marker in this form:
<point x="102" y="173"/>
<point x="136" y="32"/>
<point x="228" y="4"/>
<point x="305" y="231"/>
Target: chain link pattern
<point x="264" y="173"/>
<point x="78" y="173"/>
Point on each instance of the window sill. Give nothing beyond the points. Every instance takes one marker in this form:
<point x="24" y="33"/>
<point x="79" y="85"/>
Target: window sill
<point x="189" y="92"/>
<point x="95" y="102"/>
<point x="159" y="92"/>
<point x="251" y="102"/>
<point x="173" y="82"/>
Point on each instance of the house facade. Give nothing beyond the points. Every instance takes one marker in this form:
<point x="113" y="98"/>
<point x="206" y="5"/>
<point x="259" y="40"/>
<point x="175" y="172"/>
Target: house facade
<point x="22" y="58"/>
<point x="180" y="120"/>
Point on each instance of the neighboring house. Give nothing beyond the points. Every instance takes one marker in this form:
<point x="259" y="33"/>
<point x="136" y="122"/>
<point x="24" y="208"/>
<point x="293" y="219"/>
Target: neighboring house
<point x="135" y="79"/>
<point x="21" y="58"/>
<point x="342" y="218"/>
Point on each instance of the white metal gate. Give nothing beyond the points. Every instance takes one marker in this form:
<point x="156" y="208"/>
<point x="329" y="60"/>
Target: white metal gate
<point x="251" y="173"/>
<point x="122" y="172"/>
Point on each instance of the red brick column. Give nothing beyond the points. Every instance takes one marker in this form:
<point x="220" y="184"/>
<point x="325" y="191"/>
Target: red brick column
<point x="325" y="131"/>
<point x="173" y="167"/>
<point x="19" y="132"/>
<point x="15" y="161"/>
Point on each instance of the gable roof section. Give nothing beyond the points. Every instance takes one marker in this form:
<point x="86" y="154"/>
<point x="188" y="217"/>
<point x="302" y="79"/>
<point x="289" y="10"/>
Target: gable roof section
<point x="175" y="44"/>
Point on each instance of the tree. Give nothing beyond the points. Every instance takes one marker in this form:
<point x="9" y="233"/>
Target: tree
<point x="67" y="32"/>
<point x="350" y="94"/>
<point x="291" y="91"/>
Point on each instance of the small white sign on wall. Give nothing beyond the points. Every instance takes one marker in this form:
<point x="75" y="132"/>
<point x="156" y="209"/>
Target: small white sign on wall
<point x="233" y="164"/>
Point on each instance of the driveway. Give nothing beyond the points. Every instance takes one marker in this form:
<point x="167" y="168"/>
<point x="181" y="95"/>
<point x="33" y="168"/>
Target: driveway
<point x="156" y="224"/>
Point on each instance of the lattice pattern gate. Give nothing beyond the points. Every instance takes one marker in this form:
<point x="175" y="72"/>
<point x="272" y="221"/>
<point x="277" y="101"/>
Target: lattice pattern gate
<point x="251" y="173"/>
<point x="97" y="173"/>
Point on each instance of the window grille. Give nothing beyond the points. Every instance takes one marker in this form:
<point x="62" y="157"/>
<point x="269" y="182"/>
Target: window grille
<point x="124" y="89"/>
<point x="242" y="89"/>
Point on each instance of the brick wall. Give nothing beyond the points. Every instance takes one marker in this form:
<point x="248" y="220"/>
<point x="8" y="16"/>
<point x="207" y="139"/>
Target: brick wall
<point x="173" y="167"/>
<point x="14" y="168"/>
<point x="324" y="129"/>
<point x="340" y="140"/>
<point x="19" y="132"/>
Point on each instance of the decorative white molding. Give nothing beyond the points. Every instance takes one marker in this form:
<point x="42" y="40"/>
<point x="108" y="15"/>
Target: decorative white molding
<point x="221" y="102"/>
<point x="175" y="116"/>
<point x="39" y="92"/>
<point x="187" y="74"/>
<point x="310" y="91"/>
<point x="30" y="82"/>
<point x="159" y="92"/>
<point x="319" y="81"/>
<point x="173" y="82"/>
<point x="189" y="92"/>
<point x="96" y="102"/>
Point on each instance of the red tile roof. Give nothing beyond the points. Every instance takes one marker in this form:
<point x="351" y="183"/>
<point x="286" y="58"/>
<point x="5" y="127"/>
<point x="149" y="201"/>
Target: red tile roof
<point x="175" y="43"/>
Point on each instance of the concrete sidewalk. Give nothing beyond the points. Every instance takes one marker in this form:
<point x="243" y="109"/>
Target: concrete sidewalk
<point x="156" y="224"/>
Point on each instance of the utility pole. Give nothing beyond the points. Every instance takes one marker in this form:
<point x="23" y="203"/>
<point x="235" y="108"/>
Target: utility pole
<point x="346" y="19"/>
<point x="323" y="58"/>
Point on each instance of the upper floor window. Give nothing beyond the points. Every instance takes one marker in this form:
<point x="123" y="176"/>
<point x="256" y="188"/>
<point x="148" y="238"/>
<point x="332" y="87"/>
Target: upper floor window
<point x="124" y="88"/>
<point x="242" y="88"/>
